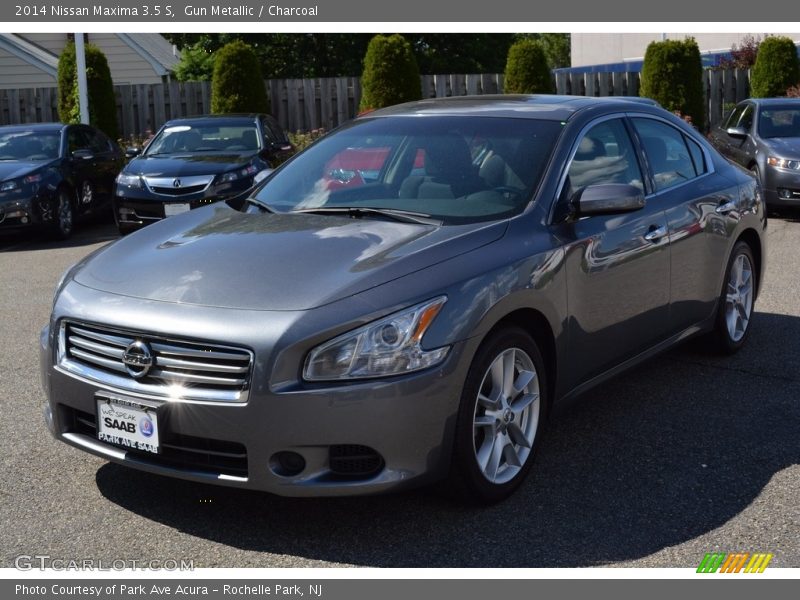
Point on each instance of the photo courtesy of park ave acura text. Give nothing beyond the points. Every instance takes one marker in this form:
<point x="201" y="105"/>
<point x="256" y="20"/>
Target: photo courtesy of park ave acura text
<point x="399" y="299"/>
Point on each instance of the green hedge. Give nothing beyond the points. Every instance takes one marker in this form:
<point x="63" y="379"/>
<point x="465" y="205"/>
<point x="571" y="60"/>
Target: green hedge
<point x="237" y="84"/>
<point x="672" y="75"/>
<point x="526" y="69"/>
<point x="102" y="103"/>
<point x="391" y="74"/>
<point x="776" y="68"/>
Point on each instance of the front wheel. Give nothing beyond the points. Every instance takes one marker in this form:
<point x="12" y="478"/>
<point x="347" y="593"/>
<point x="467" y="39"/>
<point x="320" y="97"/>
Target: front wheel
<point x="501" y="416"/>
<point x="736" y="301"/>
<point x="64" y="216"/>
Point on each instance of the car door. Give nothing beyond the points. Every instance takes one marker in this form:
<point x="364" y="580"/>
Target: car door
<point x="105" y="163"/>
<point x="617" y="265"/>
<point x="81" y="164"/>
<point x="742" y="149"/>
<point x="698" y="204"/>
<point x="720" y="138"/>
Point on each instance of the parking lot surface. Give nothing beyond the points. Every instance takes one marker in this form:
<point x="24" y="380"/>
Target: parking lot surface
<point x="687" y="454"/>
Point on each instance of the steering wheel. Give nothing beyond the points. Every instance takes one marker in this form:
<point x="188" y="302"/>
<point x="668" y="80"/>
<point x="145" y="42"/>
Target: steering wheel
<point x="509" y="191"/>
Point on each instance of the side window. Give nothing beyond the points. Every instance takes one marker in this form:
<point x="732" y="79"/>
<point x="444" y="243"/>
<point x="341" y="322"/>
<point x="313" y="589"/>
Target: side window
<point x="98" y="143"/>
<point x="746" y="120"/>
<point x="76" y="140"/>
<point x="604" y="155"/>
<point x="698" y="158"/>
<point x="666" y="152"/>
<point x="273" y="131"/>
<point x="734" y="117"/>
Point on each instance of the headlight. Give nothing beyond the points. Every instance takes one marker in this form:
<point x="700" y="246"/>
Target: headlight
<point x="391" y="346"/>
<point x="8" y="186"/>
<point x="15" y="184"/>
<point x="131" y="181"/>
<point x="248" y="171"/>
<point x="783" y="163"/>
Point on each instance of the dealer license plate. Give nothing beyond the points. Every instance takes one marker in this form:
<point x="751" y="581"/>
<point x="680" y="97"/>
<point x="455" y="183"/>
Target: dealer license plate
<point x="176" y="209"/>
<point x="127" y="423"/>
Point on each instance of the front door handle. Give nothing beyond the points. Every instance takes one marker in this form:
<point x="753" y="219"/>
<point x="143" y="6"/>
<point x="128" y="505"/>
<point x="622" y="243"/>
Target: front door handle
<point x="655" y="233"/>
<point x="726" y="207"/>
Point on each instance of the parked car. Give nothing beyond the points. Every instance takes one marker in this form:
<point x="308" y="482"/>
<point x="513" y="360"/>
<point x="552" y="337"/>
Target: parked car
<point x="329" y="340"/>
<point x="51" y="174"/>
<point x="196" y="161"/>
<point x="763" y="135"/>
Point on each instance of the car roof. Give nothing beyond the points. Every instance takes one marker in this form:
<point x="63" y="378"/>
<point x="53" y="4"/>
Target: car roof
<point x="539" y="106"/>
<point x="34" y="127"/>
<point x="221" y="117"/>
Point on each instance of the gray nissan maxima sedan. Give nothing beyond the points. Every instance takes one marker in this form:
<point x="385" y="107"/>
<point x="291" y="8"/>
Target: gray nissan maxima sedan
<point x="404" y="301"/>
<point x="763" y="135"/>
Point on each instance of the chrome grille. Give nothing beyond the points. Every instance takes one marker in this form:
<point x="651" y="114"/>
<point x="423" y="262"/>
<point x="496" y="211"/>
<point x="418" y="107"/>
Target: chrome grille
<point x="178" y="369"/>
<point x="178" y="186"/>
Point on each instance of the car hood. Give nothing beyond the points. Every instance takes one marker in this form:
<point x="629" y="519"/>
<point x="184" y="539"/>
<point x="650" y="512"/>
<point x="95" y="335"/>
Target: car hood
<point x="215" y="256"/>
<point x="14" y="169"/>
<point x="184" y="165"/>
<point x="786" y="147"/>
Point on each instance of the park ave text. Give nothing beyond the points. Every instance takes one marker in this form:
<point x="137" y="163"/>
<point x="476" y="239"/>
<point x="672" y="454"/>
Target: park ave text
<point x="252" y="11"/>
<point x="122" y="589"/>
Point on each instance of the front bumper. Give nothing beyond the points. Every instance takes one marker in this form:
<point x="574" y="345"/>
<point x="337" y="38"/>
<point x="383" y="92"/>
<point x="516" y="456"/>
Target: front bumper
<point x="407" y="421"/>
<point x="134" y="210"/>
<point x="781" y="187"/>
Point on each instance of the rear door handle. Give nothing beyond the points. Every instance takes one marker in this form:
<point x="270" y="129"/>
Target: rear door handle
<point x="726" y="207"/>
<point x="655" y="233"/>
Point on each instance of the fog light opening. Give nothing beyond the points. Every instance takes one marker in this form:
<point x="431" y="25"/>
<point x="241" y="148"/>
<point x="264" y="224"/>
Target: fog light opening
<point x="287" y="464"/>
<point x="784" y="193"/>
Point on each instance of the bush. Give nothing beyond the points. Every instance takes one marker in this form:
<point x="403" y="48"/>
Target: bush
<point x="237" y="84"/>
<point x="391" y="74"/>
<point x="776" y="68"/>
<point x="196" y="64"/>
<point x="672" y="75"/>
<point x="526" y="69"/>
<point x="102" y="103"/>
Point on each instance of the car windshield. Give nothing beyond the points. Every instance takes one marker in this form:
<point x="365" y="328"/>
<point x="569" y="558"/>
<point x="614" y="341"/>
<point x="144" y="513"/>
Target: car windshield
<point x="29" y="145"/>
<point x="455" y="169"/>
<point x="216" y="136"/>
<point x="779" y="121"/>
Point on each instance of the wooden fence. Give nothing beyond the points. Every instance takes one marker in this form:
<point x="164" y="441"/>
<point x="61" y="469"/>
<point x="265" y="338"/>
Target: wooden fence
<point x="298" y="104"/>
<point x="722" y="88"/>
<point x="306" y="104"/>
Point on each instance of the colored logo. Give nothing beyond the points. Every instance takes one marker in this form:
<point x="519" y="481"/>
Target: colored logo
<point x="146" y="426"/>
<point x="742" y="562"/>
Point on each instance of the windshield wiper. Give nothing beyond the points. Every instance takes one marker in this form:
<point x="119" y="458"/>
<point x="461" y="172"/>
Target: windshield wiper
<point x="357" y="212"/>
<point x="259" y="203"/>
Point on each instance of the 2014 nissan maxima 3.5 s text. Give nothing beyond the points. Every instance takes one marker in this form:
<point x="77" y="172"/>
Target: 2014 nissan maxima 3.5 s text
<point x="405" y="300"/>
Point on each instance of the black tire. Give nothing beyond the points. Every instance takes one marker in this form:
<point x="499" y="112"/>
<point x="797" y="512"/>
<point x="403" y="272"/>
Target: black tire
<point x="64" y="218"/>
<point x="467" y="481"/>
<point x="723" y="340"/>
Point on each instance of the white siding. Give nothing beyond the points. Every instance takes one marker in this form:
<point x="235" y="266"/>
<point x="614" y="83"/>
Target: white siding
<point x="19" y="74"/>
<point x="52" y="42"/>
<point x="125" y="63"/>
<point x="602" y="48"/>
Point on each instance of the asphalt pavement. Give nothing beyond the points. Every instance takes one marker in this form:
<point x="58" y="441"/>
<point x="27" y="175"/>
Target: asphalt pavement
<point x="687" y="454"/>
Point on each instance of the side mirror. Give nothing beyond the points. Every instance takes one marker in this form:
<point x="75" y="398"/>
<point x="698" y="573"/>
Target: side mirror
<point x="737" y="132"/>
<point x="132" y="152"/>
<point x="83" y="154"/>
<point x="608" y="199"/>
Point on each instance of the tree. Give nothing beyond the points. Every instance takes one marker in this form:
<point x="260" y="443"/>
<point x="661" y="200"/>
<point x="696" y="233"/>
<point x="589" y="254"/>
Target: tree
<point x="743" y="56"/>
<point x="776" y="68"/>
<point x="672" y="75"/>
<point x="391" y="74"/>
<point x="526" y="69"/>
<point x="196" y="64"/>
<point x="556" y="47"/>
<point x="237" y="84"/>
<point x="100" y="87"/>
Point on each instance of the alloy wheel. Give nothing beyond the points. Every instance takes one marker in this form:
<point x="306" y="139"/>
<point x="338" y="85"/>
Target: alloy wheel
<point x="739" y="297"/>
<point x="87" y="193"/>
<point x="506" y="416"/>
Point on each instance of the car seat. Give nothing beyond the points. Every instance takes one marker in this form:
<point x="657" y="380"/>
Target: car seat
<point x="449" y="172"/>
